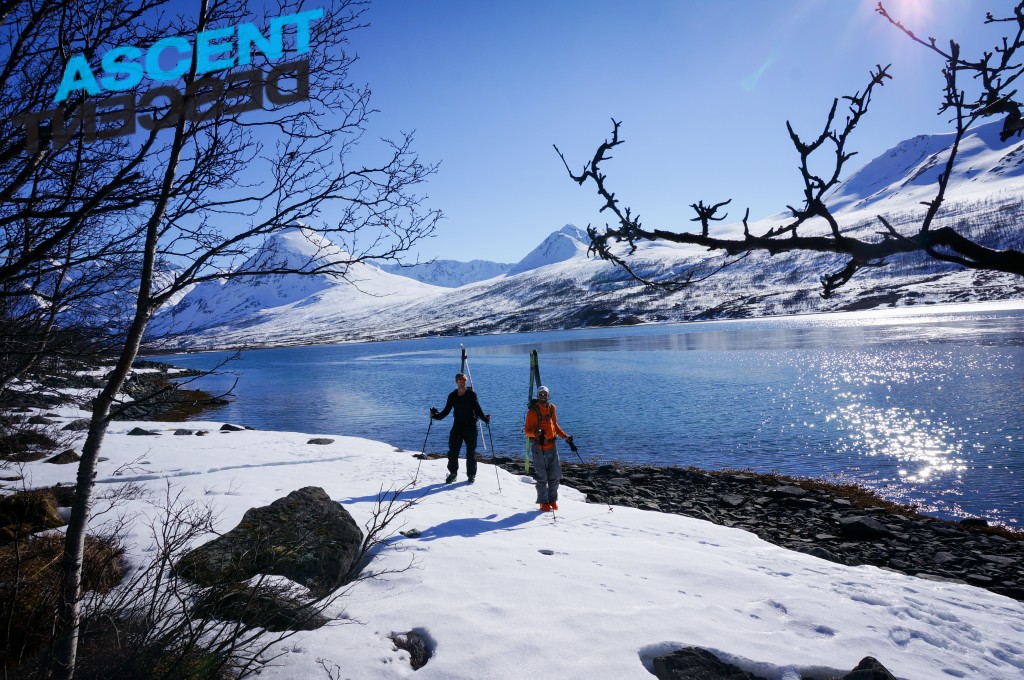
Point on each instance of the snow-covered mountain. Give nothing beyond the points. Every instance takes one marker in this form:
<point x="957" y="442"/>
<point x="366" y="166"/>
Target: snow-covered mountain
<point x="906" y="174"/>
<point x="449" y="273"/>
<point x="288" y="306"/>
<point x="557" y="285"/>
<point x="567" y="243"/>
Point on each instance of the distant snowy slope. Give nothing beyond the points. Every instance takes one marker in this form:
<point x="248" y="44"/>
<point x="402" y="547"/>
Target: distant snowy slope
<point x="566" y="243"/>
<point x="907" y="173"/>
<point x="244" y="301"/>
<point x="450" y="273"/>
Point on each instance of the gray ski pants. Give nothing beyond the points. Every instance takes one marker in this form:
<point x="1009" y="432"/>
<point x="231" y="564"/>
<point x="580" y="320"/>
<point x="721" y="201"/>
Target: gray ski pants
<point x="547" y="470"/>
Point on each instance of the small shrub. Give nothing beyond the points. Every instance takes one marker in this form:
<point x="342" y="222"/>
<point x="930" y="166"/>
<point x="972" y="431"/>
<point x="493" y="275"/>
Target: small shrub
<point x="30" y="586"/>
<point x="21" y="445"/>
<point x="29" y="511"/>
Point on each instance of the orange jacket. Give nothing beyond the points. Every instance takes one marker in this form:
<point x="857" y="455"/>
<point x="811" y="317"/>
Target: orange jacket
<point x="542" y="416"/>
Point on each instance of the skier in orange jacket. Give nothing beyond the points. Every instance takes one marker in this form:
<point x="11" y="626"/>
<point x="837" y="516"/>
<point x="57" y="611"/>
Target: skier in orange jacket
<point x="542" y="428"/>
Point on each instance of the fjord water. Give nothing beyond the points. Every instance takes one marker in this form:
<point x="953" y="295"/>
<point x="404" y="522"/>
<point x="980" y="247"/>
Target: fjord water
<point x="924" y="406"/>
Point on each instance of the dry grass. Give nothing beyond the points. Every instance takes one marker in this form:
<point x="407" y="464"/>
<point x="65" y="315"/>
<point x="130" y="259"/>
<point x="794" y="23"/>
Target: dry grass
<point x="30" y="583"/>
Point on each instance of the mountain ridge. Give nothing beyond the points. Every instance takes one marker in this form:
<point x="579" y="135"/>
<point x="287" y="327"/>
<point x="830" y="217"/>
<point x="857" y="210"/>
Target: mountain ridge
<point x="558" y="285"/>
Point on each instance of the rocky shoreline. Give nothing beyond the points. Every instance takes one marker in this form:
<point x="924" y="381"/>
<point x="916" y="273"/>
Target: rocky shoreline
<point x="842" y="524"/>
<point x="153" y="385"/>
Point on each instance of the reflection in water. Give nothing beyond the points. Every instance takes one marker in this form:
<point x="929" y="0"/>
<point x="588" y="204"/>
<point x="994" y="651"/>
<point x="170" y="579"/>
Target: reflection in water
<point x="925" y="409"/>
<point x="925" y="450"/>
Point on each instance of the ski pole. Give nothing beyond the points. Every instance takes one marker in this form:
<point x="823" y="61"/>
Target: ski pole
<point x="572" y="447"/>
<point x="469" y="378"/>
<point x="496" y="475"/>
<point x="423" y="452"/>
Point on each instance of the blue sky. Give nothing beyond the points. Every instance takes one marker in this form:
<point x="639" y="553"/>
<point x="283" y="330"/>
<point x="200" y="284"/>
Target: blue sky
<point x="703" y="90"/>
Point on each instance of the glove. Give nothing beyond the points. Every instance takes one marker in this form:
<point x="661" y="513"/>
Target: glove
<point x="487" y="417"/>
<point x="572" y="446"/>
<point x="433" y="412"/>
<point x="540" y="436"/>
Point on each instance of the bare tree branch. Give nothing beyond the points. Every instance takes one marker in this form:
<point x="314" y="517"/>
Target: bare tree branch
<point x="996" y="96"/>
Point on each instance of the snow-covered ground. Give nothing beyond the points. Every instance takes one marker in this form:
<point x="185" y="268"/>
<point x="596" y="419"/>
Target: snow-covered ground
<point x="503" y="591"/>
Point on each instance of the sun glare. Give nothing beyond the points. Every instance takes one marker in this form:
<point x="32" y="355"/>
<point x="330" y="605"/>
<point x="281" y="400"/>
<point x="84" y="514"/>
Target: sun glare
<point x="917" y="15"/>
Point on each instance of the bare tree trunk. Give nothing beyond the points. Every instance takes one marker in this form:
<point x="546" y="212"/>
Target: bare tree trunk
<point x="65" y="650"/>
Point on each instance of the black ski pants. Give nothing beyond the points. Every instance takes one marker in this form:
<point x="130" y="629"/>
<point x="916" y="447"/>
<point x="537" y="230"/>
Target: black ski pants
<point x="460" y="434"/>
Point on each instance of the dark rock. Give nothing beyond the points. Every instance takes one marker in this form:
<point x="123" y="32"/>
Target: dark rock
<point x="79" y="425"/>
<point x="322" y="441"/>
<point x="732" y="500"/>
<point x="40" y="420"/>
<point x="306" y="537"/>
<point x="694" y="663"/>
<point x="862" y="527"/>
<point x="183" y="431"/>
<point x="819" y="552"/>
<point x="869" y="668"/>
<point x="139" y="432"/>
<point x="228" y="427"/>
<point x="65" y="458"/>
<point x="788" y="492"/>
<point x="416" y="644"/>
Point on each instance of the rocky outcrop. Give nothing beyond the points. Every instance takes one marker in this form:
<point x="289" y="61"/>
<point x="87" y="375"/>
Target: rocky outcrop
<point x="694" y="663"/>
<point x="416" y="644"/>
<point x="814" y="518"/>
<point x="305" y="537"/>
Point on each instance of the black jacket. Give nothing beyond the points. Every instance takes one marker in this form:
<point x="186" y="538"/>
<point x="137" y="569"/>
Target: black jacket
<point x="467" y="408"/>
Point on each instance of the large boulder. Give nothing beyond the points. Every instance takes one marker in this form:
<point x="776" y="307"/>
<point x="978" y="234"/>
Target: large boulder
<point x="305" y="537"/>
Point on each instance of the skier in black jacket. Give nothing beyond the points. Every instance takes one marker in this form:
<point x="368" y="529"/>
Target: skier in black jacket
<point x="467" y="410"/>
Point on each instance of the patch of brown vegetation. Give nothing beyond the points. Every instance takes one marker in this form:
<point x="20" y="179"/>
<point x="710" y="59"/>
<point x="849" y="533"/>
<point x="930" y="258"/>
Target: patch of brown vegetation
<point x="30" y="585"/>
